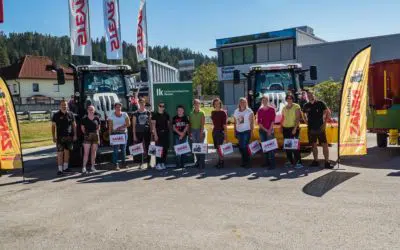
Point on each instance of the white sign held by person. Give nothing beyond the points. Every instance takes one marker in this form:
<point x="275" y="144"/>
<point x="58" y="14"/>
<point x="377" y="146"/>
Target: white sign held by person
<point x="269" y="145"/>
<point x="292" y="144"/>
<point x="183" y="148"/>
<point x="254" y="147"/>
<point x="225" y="149"/>
<point x="141" y="43"/>
<point x="155" y="151"/>
<point x="117" y="139"/>
<point x="136" y="149"/>
<point x="113" y="29"/>
<point x="81" y="43"/>
<point x="199" y="148"/>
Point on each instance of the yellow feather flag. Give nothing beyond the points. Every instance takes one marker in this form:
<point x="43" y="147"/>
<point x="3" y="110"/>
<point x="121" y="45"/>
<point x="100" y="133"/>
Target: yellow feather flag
<point x="353" y="107"/>
<point x="10" y="146"/>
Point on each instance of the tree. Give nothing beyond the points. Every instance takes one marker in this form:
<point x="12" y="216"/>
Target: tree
<point x="206" y="76"/>
<point x="4" y="60"/>
<point x="329" y="92"/>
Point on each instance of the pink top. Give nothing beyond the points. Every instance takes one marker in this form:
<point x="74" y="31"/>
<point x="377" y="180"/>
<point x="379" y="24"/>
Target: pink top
<point x="266" y="116"/>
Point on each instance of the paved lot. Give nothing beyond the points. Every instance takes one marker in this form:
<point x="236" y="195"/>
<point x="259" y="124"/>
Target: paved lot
<point x="354" y="207"/>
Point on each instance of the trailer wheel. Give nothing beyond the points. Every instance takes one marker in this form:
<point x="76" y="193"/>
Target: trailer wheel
<point x="382" y="140"/>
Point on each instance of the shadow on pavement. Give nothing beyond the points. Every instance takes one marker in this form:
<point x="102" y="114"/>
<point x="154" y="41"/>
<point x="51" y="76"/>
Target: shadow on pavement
<point x="394" y="174"/>
<point x="325" y="183"/>
<point x="379" y="158"/>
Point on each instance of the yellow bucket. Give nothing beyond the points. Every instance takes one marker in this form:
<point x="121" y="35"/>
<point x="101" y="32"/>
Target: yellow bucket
<point x="393" y="136"/>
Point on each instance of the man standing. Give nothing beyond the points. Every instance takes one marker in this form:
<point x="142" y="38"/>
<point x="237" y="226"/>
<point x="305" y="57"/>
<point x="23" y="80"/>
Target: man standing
<point x="316" y="115"/>
<point x="64" y="123"/>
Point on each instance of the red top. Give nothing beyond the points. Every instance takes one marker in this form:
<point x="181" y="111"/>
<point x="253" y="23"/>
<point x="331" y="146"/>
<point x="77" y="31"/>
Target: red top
<point x="266" y="116"/>
<point x="219" y="119"/>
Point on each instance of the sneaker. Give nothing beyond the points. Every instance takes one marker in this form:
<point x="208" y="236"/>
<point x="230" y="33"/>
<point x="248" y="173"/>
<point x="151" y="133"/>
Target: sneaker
<point x="117" y="167"/>
<point x="288" y="164"/>
<point x="163" y="166"/>
<point x="328" y="165"/>
<point x="158" y="167"/>
<point x="314" y="164"/>
<point x="84" y="171"/>
<point x="298" y="166"/>
<point x="59" y="173"/>
<point x="148" y="166"/>
<point x="93" y="169"/>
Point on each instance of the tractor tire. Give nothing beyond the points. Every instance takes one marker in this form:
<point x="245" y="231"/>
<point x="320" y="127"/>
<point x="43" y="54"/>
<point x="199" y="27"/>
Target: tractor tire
<point x="382" y="140"/>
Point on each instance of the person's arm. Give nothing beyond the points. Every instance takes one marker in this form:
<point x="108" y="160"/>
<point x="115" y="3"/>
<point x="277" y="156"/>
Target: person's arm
<point x="83" y="129"/>
<point x="74" y="126"/>
<point x="203" y="122"/>
<point x="134" y="128"/>
<point x="53" y="131"/>
<point x="259" y="122"/>
<point x="184" y="131"/>
<point x="110" y="126"/>
<point x="225" y="127"/>
<point x="304" y="114"/>
<point x="298" y="115"/>
<point x="271" y="127"/>
<point x="127" y="121"/>
<point x="234" y="126"/>
<point x="154" y="130"/>
<point x="251" y="117"/>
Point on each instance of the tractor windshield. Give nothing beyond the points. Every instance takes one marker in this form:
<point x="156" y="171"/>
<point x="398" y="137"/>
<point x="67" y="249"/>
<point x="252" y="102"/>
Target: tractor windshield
<point x="104" y="82"/>
<point x="273" y="81"/>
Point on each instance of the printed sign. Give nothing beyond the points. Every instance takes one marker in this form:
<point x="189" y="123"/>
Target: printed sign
<point x="117" y="139"/>
<point x="199" y="148"/>
<point x="269" y="145"/>
<point x="254" y="147"/>
<point x="225" y="149"/>
<point x="183" y="148"/>
<point x="155" y="151"/>
<point x="292" y="144"/>
<point x="136" y="149"/>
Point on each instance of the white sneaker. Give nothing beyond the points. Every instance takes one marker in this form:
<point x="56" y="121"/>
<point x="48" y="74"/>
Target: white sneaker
<point x="158" y="167"/>
<point x="84" y="171"/>
<point x="163" y="166"/>
<point x="298" y="166"/>
<point x="93" y="169"/>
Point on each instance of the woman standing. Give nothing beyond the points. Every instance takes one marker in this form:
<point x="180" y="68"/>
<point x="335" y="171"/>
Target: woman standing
<point x="266" y="119"/>
<point x="161" y="126"/>
<point x="244" y="125"/>
<point x="290" y="127"/>
<point x="90" y="128"/>
<point x="219" y="119"/>
<point x="141" y="120"/>
<point x="118" y="123"/>
<point x="197" y="121"/>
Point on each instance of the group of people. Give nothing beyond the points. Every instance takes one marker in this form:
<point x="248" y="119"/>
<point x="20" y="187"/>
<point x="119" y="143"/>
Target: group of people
<point x="315" y="113"/>
<point x="156" y="126"/>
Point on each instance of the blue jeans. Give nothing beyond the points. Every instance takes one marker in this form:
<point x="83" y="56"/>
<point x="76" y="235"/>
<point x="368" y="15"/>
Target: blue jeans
<point x="116" y="154"/>
<point x="180" y="159"/>
<point x="200" y="158"/>
<point x="244" y="140"/>
<point x="269" y="156"/>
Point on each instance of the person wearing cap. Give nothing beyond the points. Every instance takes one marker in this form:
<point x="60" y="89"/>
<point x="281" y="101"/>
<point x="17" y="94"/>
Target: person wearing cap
<point x="118" y="123"/>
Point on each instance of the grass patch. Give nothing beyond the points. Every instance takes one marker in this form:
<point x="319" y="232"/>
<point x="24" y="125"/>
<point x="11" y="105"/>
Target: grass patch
<point x="35" y="134"/>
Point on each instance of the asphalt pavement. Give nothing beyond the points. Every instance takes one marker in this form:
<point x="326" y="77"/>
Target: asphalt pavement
<point x="355" y="206"/>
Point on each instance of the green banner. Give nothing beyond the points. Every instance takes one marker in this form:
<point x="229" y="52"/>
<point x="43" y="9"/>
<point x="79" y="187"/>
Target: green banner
<point x="174" y="94"/>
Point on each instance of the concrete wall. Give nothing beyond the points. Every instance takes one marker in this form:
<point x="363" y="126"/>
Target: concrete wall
<point x="46" y="88"/>
<point x="333" y="58"/>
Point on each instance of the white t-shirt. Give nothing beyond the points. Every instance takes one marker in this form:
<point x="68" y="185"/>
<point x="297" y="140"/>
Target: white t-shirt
<point x="118" y="121"/>
<point x="242" y="119"/>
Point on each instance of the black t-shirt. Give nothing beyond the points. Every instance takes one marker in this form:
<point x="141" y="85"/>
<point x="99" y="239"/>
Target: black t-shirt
<point x="64" y="123"/>
<point x="161" y="121"/>
<point x="180" y="123"/>
<point x="315" y="114"/>
<point x="142" y="121"/>
<point x="91" y="125"/>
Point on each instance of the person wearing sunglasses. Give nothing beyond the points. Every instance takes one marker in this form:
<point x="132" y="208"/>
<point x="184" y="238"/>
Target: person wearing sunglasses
<point x="141" y="120"/>
<point x="290" y="122"/>
<point x="160" y="121"/>
<point x="90" y="127"/>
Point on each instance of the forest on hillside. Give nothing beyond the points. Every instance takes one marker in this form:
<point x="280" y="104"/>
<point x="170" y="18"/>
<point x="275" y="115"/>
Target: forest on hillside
<point x="16" y="45"/>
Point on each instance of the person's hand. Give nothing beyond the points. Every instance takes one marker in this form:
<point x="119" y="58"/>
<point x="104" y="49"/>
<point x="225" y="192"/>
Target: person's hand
<point x="54" y="139"/>
<point x="225" y="137"/>
<point x="202" y="137"/>
<point x="294" y="131"/>
<point x="155" y="138"/>
<point x="181" y="136"/>
<point x="75" y="138"/>
<point x="134" y="138"/>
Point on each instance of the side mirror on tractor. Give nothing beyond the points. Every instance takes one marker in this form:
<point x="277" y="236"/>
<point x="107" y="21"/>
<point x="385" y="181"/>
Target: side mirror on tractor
<point x="60" y="76"/>
<point x="313" y="73"/>
<point x="143" y="75"/>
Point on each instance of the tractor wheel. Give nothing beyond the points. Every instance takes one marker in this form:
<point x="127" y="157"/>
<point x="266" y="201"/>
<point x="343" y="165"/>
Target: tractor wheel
<point x="382" y="140"/>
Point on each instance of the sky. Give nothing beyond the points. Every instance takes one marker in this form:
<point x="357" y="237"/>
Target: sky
<point x="196" y="24"/>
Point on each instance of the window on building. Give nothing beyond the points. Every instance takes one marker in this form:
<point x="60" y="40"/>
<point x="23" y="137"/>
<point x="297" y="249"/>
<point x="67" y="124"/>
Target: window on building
<point x="56" y="87"/>
<point x="35" y="87"/>
<point x="15" y="88"/>
<point x="227" y="55"/>
<point x="248" y="55"/>
<point x="238" y="56"/>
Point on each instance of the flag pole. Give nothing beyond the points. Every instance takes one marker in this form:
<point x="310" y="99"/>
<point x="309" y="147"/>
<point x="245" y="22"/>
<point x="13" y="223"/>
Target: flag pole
<point x="149" y="66"/>
<point x="90" y="37"/>
<point x="120" y="37"/>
